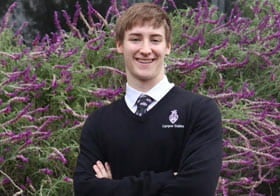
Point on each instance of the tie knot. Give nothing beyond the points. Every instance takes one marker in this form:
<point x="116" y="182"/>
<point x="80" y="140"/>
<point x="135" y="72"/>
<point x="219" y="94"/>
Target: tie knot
<point x="142" y="104"/>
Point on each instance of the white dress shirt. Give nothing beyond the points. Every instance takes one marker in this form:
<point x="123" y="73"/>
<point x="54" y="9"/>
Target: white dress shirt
<point x="157" y="93"/>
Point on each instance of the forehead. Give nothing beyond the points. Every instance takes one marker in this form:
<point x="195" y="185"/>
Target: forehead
<point x="146" y="29"/>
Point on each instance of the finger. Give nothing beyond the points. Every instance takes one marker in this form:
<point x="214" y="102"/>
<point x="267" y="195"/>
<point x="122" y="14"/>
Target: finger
<point x="108" y="169"/>
<point x="102" y="169"/>
<point x="98" y="173"/>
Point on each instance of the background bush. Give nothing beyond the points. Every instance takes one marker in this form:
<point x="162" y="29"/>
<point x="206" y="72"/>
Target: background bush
<point x="48" y="89"/>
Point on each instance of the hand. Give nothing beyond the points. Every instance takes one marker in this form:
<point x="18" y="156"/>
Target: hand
<point x="102" y="171"/>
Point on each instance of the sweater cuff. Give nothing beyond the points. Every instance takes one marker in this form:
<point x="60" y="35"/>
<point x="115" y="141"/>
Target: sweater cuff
<point x="161" y="178"/>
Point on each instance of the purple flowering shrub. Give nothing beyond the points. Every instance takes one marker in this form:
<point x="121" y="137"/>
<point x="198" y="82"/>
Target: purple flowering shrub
<point x="48" y="89"/>
<point x="235" y="60"/>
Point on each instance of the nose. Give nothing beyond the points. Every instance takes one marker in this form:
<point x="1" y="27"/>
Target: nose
<point x="145" y="48"/>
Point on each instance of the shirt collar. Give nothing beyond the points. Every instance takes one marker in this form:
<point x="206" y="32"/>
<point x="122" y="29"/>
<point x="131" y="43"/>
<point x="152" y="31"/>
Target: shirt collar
<point x="157" y="92"/>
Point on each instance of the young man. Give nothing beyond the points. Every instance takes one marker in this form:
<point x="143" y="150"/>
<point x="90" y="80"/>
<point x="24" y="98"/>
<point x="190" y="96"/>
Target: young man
<point x="168" y="143"/>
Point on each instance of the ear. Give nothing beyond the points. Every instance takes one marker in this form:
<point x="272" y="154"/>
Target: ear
<point x="119" y="46"/>
<point x="168" y="49"/>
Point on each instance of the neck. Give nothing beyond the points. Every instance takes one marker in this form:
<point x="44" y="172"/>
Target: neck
<point x="143" y="85"/>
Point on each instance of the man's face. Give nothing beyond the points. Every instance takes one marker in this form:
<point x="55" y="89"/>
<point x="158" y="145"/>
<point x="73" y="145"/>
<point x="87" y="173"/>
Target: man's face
<point x="144" y="48"/>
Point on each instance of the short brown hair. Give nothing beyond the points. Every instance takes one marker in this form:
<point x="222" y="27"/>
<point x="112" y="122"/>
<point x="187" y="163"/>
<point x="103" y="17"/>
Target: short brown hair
<point x="140" y="13"/>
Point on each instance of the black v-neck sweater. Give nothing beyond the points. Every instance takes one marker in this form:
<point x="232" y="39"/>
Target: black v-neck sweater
<point x="181" y="133"/>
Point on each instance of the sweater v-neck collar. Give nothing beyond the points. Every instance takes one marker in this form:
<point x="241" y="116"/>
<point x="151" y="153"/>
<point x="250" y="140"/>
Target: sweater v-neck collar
<point x="151" y="111"/>
<point x="157" y="93"/>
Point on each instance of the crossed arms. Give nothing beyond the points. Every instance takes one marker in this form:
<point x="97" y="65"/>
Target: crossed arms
<point x="198" y="171"/>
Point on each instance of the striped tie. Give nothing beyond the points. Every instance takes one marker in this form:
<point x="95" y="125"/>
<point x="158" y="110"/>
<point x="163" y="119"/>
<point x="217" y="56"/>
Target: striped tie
<point x="142" y="104"/>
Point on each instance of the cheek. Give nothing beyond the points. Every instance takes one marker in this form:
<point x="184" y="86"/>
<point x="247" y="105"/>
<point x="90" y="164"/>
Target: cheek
<point x="162" y="50"/>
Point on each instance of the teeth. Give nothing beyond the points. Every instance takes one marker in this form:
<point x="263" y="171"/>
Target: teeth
<point x="145" y="60"/>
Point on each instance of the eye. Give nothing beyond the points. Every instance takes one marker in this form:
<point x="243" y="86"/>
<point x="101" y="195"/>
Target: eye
<point x="156" y="40"/>
<point x="134" y="39"/>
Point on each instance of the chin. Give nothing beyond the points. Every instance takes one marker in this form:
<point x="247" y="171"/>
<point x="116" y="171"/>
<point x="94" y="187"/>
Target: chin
<point x="147" y="78"/>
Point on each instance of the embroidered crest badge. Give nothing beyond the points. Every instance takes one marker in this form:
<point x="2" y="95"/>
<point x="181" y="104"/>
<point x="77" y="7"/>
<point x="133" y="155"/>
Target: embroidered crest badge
<point x="173" y="117"/>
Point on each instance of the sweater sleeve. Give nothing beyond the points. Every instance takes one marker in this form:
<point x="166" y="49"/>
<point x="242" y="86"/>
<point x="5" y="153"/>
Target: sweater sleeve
<point x="201" y="159"/>
<point x="147" y="183"/>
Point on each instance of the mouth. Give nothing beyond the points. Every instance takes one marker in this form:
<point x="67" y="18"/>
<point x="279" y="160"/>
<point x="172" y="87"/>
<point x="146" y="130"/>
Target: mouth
<point x="144" y="61"/>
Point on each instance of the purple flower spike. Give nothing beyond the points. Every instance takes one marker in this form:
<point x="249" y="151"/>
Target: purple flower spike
<point x="67" y="179"/>
<point x="22" y="158"/>
<point x="46" y="171"/>
<point x="57" y="21"/>
<point x="5" y="20"/>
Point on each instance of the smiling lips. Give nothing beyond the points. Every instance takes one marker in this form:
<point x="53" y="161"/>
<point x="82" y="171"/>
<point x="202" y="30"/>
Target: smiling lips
<point x="144" y="61"/>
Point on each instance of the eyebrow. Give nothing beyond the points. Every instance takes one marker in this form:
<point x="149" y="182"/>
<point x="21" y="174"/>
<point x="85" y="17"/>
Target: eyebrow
<point x="139" y="34"/>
